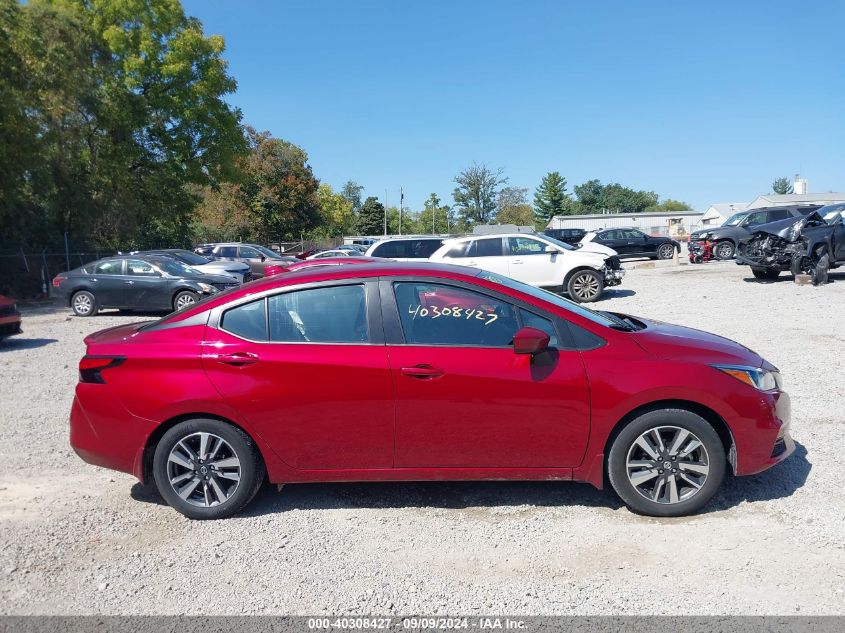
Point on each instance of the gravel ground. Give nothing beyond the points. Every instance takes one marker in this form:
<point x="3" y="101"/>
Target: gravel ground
<point x="75" y="539"/>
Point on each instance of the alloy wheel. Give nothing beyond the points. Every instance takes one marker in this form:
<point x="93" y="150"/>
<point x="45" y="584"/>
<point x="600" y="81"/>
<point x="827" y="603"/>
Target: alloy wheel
<point x="667" y="464"/>
<point x="666" y="251"/>
<point x="185" y="300"/>
<point x="725" y="250"/>
<point x="585" y="286"/>
<point x="203" y="469"/>
<point x="82" y="304"/>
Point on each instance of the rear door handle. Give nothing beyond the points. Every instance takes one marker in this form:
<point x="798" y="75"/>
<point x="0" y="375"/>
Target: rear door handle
<point x="422" y="372"/>
<point x="238" y="359"/>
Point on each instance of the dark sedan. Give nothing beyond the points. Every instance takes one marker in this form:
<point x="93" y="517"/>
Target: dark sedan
<point x="634" y="243"/>
<point x="255" y="256"/>
<point x="136" y="282"/>
<point x="570" y="236"/>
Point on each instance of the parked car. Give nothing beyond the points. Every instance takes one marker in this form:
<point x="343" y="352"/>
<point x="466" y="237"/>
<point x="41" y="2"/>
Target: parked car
<point x="136" y="282"/>
<point x="405" y="248"/>
<point x="570" y="236"/>
<point x="359" y="249"/>
<point x="739" y="227"/>
<point x="629" y="242"/>
<point x="538" y="260"/>
<point x="417" y="371"/>
<point x="237" y="270"/>
<point x="255" y="256"/>
<point x="313" y="263"/>
<point x="810" y="244"/>
<point x="10" y="318"/>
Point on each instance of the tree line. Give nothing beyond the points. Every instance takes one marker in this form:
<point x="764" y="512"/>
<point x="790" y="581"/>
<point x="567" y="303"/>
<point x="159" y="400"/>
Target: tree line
<point x="115" y="130"/>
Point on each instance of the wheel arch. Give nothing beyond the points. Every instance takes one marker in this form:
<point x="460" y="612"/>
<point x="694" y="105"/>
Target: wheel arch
<point x="575" y="270"/>
<point x="76" y="291"/>
<point x="710" y="416"/>
<point x="146" y="470"/>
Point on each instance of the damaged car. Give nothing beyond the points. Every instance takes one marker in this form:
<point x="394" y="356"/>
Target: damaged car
<point x="809" y="245"/>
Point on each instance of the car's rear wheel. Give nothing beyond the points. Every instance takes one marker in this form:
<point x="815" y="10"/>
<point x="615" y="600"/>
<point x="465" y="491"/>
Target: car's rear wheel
<point x="765" y="273"/>
<point x="84" y="304"/>
<point x="585" y="286"/>
<point x="667" y="462"/>
<point x="207" y="469"/>
<point x="184" y="299"/>
<point x="724" y="249"/>
<point x="665" y="251"/>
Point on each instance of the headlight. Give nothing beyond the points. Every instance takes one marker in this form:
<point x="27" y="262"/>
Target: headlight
<point x="207" y="288"/>
<point x="704" y="236"/>
<point x="793" y="234"/>
<point x="761" y="379"/>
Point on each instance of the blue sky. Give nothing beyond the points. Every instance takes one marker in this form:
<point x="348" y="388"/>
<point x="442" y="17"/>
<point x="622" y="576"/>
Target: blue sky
<point x="699" y="101"/>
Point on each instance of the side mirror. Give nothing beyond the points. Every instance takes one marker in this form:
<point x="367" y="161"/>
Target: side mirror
<point x="263" y="258"/>
<point x="551" y="248"/>
<point x="530" y="340"/>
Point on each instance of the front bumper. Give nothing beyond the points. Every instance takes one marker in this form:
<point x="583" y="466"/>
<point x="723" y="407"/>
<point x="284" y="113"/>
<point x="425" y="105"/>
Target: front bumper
<point x="768" y="442"/>
<point x="613" y="276"/>
<point x="10" y="324"/>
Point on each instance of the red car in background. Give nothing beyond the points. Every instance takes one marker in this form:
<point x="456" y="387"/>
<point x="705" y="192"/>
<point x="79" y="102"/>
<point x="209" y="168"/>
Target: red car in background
<point x="10" y="318"/>
<point x="311" y="263"/>
<point x="418" y="371"/>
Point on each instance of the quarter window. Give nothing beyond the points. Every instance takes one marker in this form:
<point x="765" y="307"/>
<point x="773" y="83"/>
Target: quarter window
<point x="435" y="314"/>
<point x="529" y="319"/>
<point x="247" y="321"/>
<point x="335" y="314"/>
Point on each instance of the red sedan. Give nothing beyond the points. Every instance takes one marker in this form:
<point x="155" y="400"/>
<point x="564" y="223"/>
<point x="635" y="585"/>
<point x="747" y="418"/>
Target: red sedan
<point x="311" y="263"/>
<point x="404" y="371"/>
<point x="10" y="318"/>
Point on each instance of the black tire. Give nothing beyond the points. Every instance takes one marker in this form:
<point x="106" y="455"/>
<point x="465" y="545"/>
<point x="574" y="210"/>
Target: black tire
<point x="768" y="274"/>
<point x="184" y="298"/>
<point x="585" y="286"/>
<point x="240" y="493"/>
<point x="724" y="249"/>
<point x="820" y="270"/>
<point x="84" y="304"/>
<point x="666" y="251"/>
<point x="690" y="499"/>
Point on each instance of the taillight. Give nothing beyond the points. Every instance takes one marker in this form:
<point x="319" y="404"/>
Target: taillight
<point x="90" y="367"/>
<point x="57" y="281"/>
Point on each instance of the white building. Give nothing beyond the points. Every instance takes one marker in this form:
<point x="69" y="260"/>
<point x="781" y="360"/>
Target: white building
<point x="676" y="223"/>
<point x="721" y="211"/>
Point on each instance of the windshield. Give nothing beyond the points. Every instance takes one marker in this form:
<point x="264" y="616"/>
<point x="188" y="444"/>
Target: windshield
<point x="834" y="216"/>
<point x="550" y="297"/>
<point x="563" y="245"/>
<point x="735" y="219"/>
<point x="192" y="259"/>
<point x="175" y="267"/>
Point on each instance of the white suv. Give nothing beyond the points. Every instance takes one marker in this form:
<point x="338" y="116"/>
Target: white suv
<point x="537" y="260"/>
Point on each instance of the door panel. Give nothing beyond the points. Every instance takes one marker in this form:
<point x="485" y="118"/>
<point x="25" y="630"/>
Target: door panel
<point x="145" y="288"/>
<point x="320" y="405"/>
<point x="480" y="405"/>
<point x="529" y="262"/>
<point x="108" y="284"/>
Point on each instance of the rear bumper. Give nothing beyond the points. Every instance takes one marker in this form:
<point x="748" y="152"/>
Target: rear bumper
<point x="103" y="433"/>
<point x="10" y="325"/>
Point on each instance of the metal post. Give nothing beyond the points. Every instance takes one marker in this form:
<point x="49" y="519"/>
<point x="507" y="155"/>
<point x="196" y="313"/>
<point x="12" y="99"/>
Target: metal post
<point x="401" y="202"/>
<point x="67" y="253"/>
<point x="385" y="212"/>
<point x="45" y="274"/>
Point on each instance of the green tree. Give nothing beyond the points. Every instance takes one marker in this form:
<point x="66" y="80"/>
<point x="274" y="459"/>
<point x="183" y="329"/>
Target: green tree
<point x="371" y="218"/>
<point x="551" y="198"/>
<point x="127" y="99"/>
<point x="337" y="216"/>
<point x="514" y="208"/>
<point x="476" y="193"/>
<point x="782" y="186"/>
<point x="279" y="188"/>
<point x="594" y="197"/>
<point x="435" y="218"/>
<point x="670" y="205"/>
<point x="351" y="191"/>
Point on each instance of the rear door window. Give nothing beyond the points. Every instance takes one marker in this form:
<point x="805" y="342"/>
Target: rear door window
<point x="778" y="214"/>
<point x="228" y="251"/>
<point x="334" y="314"/>
<point x="111" y="267"/>
<point x="489" y="247"/>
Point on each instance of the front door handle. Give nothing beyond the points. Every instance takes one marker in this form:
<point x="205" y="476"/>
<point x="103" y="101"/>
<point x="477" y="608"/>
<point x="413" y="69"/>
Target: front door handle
<point x="422" y="372"/>
<point x="517" y="261"/>
<point x="238" y="359"/>
<point x="129" y="282"/>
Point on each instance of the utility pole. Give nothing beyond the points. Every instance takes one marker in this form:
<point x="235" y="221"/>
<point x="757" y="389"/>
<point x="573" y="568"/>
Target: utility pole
<point x="401" y="202"/>
<point x="385" y="212"/>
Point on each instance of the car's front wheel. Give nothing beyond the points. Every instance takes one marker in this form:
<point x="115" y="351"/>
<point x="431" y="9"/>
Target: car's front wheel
<point x="724" y="249"/>
<point x="667" y="462"/>
<point x="184" y="299"/>
<point x="207" y="469"/>
<point x="585" y="286"/>
<point x="84" y="304"/>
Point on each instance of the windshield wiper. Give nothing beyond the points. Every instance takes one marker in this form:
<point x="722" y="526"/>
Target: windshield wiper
<point x="618" y="324"/>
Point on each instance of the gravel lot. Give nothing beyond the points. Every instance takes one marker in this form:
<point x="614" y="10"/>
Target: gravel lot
<point x="75" y="539"/>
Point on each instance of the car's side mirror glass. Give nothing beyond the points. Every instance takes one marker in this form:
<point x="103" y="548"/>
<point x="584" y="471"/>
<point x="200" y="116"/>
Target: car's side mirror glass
<point x="550" y="248"/>
<point x="530" y="340"/>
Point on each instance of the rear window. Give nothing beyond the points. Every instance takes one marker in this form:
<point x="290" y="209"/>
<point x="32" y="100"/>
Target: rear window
<point x="408" y="249"/>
